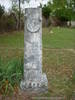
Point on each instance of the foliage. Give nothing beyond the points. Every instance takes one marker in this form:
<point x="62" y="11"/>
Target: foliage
<point x="10" y="23"/>
<point x="64" y="9"/>
<point x="19" y="10"/>
<point x="1" y="11"/>
<point x="15" y="10"/>
<point x="10" y="75"/>
<point x="62" y="14"/>
<point x="59" y="3"/>
<point x="46" y="10"/>
<point x="71" y="9"/>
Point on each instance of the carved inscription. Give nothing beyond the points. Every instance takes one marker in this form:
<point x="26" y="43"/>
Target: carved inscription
<point x="33" y="25"/>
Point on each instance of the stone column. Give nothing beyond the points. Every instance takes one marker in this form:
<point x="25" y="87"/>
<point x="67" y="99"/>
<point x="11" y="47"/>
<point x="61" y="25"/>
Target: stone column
<point x="34" y="80"/>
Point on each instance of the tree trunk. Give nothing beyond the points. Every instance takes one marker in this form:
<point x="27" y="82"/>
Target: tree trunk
<point x="19" y="25"/>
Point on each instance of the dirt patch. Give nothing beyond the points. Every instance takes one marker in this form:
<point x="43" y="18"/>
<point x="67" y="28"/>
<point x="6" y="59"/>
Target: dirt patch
<point x="22" y="95"/>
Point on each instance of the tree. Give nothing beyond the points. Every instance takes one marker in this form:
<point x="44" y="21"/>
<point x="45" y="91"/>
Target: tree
<point x="19" y="13"/>
<point x="71" y="8"/>
<point x="64" y="9"/>
<point x="1" y="11"/>
<point x="14" y="11"/>
<point x="59" y="3"/>
<point x="46" y="11"/>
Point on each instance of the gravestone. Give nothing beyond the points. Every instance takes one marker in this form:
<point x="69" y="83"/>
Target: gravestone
<point x="33" y="80"/>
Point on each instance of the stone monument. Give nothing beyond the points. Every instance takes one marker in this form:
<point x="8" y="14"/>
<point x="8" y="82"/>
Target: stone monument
<point x="33" y="80"/>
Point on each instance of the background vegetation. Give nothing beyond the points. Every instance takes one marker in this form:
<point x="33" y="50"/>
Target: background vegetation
<point x="61" y="12"/>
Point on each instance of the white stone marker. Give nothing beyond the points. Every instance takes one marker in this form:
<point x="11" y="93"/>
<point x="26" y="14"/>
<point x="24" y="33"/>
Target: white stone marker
<point x="33" y="80"/>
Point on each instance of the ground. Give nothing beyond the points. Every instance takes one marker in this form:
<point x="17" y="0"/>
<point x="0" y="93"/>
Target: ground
<point x="58" y="58"/>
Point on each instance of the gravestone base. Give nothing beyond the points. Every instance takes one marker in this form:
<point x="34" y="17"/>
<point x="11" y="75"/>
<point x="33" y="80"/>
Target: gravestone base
<point x="35" y="86"/>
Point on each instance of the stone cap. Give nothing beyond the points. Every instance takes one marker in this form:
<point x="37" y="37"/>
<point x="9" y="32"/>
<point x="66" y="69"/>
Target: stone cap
<point x="32" y="3"/>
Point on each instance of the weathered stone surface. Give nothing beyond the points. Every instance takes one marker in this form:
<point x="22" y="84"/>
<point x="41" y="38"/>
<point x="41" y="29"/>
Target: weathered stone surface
<point x="33" y="77"/>
<point x="33" y="3"/>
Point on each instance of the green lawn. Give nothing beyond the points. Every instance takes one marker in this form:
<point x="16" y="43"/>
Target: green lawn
<point x="59" y="38"/>
<point x="12" y="40"/>
<point x="58" y="57"/>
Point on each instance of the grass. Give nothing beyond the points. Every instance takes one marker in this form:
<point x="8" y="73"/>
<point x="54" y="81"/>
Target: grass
<point x="12" y="40"/>
<point x="58" y="57"/>
<point x="59" y="38"/>
<point x="59" y="66"/>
